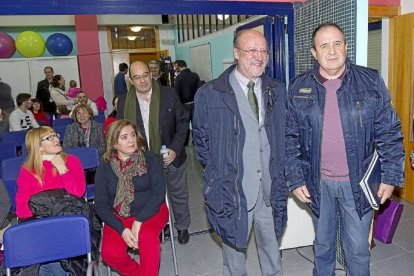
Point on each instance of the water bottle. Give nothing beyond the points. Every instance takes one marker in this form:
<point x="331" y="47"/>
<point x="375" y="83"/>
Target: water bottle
<point x="164" y="153"/>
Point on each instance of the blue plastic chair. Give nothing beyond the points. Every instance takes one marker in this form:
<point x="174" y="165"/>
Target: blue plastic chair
<point x="7" y="150"/>
<point x="61" y="130"/>
<point x="10" y="169"/>
<point x="62" y="122"/>
<point x="100" y="119"/>
<point x="89" y="158"/>
<point x="15" y="137"/>
<point x="24" y="150"/>
<point x="47" y="240"/>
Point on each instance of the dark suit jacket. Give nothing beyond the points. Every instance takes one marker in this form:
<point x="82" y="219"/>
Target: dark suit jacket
<point x="43" y="95"/>
<point x="186" y="85"/>
<point x="173" y="122"/>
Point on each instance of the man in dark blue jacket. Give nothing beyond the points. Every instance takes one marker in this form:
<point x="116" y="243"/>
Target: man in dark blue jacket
<point x="238" y="131"/>
<point x="120" y="86"/>
<point x="337" y="115"/>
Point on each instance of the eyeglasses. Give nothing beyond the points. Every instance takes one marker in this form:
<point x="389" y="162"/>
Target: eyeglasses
<point x="51" y="137"/>
<point x="144" y="76"/>
<point x="254" y="52"/>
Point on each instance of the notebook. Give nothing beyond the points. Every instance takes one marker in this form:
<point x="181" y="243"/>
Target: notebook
<point x="371" y="181"/>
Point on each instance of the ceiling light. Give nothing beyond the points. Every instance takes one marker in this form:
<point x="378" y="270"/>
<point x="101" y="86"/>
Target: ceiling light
<point x="135" y="29"/>
<point x="220" y="16"/>
<point x="132" y="37"/>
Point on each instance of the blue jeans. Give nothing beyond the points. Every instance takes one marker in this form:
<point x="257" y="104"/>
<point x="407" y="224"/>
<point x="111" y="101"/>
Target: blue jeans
<point x="336" y="197"/>
<point x="52" y="269"/>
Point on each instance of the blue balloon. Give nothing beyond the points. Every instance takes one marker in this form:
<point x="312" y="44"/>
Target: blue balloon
<point x="59" y="44"/>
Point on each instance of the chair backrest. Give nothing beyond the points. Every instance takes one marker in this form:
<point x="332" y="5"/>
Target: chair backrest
<point x="62" y="122"/>
<point x="61" y="130"/>
<point x="7" y="150"/>
<point x="10" y="169"/>
<point x="46" y="240"/>
<point x="100" y="119"/>
<point x="88" y="156"/>
<point x="24" y="150"/>
<point x="15" y="137"/>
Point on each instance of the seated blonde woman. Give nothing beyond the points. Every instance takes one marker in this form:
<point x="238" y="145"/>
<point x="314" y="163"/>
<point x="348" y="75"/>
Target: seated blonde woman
<point x="130" y="200"/>
<point x="47" y="167"/>
<point x="84" y="132"/>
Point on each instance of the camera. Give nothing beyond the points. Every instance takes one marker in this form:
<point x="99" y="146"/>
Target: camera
<point x="167" y="69"/>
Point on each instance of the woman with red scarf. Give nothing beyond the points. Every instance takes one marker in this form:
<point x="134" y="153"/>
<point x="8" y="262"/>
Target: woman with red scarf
<point x="130" y="200"/>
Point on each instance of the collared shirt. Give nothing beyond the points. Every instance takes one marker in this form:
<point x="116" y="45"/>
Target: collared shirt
<point x="257" y="89"/>
<point x="144" y="106"/>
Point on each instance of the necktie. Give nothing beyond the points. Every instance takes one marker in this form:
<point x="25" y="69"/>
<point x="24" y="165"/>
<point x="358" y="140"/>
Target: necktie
<point x="251" y="97"/>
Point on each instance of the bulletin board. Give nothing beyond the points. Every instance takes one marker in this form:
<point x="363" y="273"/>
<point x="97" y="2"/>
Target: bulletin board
<point x="201" y="61"/>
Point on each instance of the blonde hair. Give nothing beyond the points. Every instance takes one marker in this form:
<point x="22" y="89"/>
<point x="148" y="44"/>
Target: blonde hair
<point x="113" y="134"/>
<point x="34" y="162"/>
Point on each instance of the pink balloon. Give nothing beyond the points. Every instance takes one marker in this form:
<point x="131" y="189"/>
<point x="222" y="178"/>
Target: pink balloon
<point x="7" y="47"/>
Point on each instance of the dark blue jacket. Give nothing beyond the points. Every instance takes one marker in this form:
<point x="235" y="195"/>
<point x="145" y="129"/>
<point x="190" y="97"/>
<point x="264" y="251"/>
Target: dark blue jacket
<point x="120" y="86"/>
<point x="368" y="120"/>
<point x="219" y="137"/>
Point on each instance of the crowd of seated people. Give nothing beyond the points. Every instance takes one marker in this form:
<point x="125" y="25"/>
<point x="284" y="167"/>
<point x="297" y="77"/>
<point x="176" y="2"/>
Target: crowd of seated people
<point x="141" y="212"/>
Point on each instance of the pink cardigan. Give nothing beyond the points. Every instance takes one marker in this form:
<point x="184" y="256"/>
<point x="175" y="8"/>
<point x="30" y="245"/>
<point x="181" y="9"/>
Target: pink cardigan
<point x="27" y="185"/>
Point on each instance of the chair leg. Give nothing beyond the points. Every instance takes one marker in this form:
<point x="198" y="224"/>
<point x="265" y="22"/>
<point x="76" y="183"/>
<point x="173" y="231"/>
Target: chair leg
<point x="162" y="236"/>
<point x="170" y="226"/>
<point x="108" y="269"/>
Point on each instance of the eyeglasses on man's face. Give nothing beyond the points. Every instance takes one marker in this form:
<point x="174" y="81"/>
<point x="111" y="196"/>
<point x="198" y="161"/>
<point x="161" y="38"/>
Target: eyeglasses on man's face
<point x="51" y="137"/>
<point x="254" y="52"/>
<point x="144" y="76"/>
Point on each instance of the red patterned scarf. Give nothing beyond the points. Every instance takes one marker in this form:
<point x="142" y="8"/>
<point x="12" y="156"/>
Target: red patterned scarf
<point x="126" y="170"/>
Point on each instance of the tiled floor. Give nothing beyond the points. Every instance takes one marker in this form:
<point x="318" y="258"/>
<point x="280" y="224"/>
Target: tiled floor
<point x="202" y="255"/>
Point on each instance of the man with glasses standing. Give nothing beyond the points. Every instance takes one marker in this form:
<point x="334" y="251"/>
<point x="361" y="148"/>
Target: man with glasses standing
<point x="238" y="131"/>
<point x="22" y="118"/>
<point x="161" y="119"/>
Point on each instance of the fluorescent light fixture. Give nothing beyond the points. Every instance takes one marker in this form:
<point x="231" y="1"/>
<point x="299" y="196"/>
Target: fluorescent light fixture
<point x="135" y="29"/>
<point x="220" y="16"/>
<point x="131" y="37"/>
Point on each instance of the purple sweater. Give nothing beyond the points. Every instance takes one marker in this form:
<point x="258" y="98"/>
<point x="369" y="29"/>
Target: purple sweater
<point x="334" y="164"/>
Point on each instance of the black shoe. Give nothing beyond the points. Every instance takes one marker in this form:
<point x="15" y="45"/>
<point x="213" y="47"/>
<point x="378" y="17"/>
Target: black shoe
<point x="183" y="236"/>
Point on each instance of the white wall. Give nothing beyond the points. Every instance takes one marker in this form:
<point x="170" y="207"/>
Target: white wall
<point x="385" y="33"/>
<point x="361" y="33"/>
<point x="69" y="20"/>
<point x="167" y="39"/>
<point x="106" y="67"/>
<point x="407" y="6"/>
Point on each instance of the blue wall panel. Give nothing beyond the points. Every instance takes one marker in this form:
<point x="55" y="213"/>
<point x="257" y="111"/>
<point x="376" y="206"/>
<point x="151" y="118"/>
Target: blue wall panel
<point x="76" y="7"/>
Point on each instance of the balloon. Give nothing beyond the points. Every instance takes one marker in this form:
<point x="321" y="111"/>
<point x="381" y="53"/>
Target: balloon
<point x="30" y="44"/>
<point x="59" y="44"/>
<point x="7" y="48"/>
